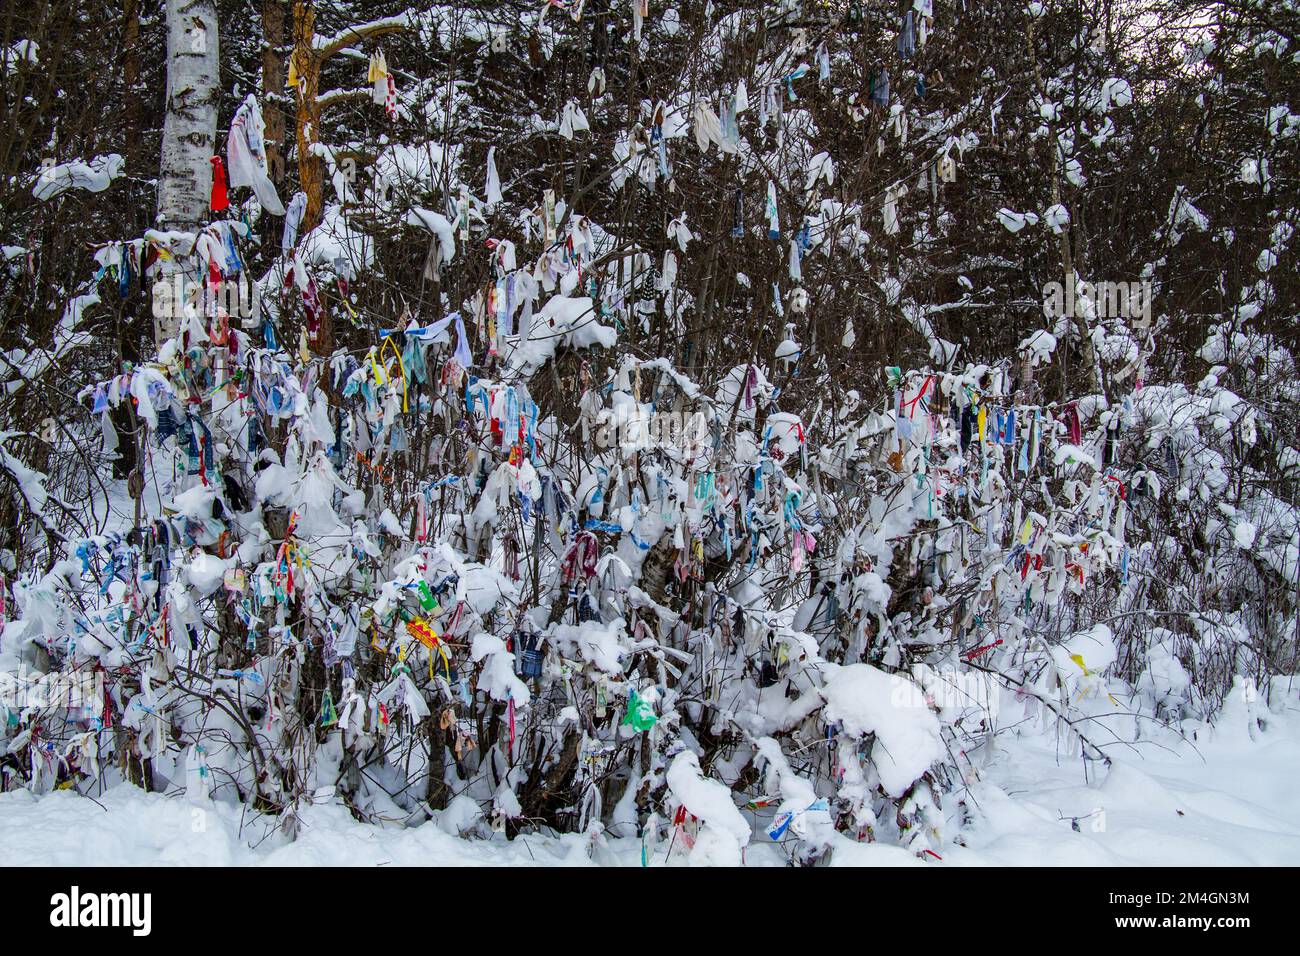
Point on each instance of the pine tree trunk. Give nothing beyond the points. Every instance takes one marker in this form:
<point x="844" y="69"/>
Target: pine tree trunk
<point x="306" y="63"/>
<point x="273" y="66"/>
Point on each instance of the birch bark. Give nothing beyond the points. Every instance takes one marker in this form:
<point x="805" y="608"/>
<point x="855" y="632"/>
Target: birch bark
<point x="189" y="127"/>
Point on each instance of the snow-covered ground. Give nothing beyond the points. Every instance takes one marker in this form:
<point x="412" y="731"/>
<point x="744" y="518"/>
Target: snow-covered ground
<point x="1223" y="800"/>
<point x="1227" y="798"/>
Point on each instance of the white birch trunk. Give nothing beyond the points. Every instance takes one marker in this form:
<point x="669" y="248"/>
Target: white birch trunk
<point x="190" y="127"/>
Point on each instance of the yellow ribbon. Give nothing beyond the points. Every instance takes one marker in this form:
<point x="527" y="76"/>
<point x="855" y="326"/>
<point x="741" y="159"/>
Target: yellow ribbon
<point x="380" y="378"/>
<point x="388" y="343"/>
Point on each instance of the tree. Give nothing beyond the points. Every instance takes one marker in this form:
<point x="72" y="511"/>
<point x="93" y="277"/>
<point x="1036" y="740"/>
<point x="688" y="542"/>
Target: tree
<point x="189" y="126"/>
<point x="309" y="56"/>
<point x="697" y="428"/>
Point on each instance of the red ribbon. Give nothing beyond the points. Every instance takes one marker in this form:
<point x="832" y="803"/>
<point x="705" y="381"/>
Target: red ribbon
<point x="582" y="555"/>
<point x="1072" y="423"/>
<point x="220" y="200"/>
<point x="911" y="405"/>
<point x="978" y="651"/>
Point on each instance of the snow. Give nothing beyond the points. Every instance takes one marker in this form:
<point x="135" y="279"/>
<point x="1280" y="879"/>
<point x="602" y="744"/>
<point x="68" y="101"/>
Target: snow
<point x="31" y="483"/>
<point x="17" y="54"/>
<point x="1116" y="92"/>
<point x="598" y="644"/>
<point x="437" y="224"/>
<point x="1165" y="678"/>
<point x="94" y="176"/>
<point x="359" y="31"/>
<point x="1223" y="799"/>
<point x="151" y="830"/>
<point x="1220" y="800"/>
<point x="205" y="573"/>
<point x="563" y="321"/>
<point x="866" y="700"/>
<point x="1082" y="657"/>
<point x="1057" y="218"/>
<point x="711" y="801"/>
<point x="403" y="170"/>
<point x="1040" y="346"/>
<point x="861" y="629"/>
<point x="1014" y="221"/>
<point x="337" y="245"/>
<point x="498" y="678"/>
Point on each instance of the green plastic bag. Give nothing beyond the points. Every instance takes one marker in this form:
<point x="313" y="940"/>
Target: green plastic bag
<point x="640" y="714"/>
<point x="427" y="600"/>
<point x="328" y="715"/>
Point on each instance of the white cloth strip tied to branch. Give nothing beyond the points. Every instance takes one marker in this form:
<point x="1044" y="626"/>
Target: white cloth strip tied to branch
<point x="246" y="155"/>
